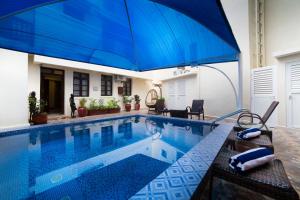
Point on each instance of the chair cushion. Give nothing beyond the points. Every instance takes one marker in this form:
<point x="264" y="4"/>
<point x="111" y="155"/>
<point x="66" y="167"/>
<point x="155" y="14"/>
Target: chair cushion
<point x="250" y="159"/>
<point x="248" y="133"/>
<point x="263" y="140"/>
<point x="194" y="113"/>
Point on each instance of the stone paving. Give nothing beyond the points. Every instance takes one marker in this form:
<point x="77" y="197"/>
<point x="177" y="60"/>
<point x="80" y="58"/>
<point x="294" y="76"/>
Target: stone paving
<point x="287" y="148"/>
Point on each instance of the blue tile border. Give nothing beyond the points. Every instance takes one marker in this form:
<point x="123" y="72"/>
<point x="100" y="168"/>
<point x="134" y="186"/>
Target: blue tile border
<point x="20" y="130"/>
<point x="182" y="178"/>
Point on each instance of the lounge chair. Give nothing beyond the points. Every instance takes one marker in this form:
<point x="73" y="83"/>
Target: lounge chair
<point x="269" y="179"/>
<point x="196" y="109"/>
<point x="264" y="140"/>
<point x="252" y="116"/>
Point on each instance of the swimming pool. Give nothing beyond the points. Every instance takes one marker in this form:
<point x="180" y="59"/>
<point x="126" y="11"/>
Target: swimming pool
<point x="105" y="159"/>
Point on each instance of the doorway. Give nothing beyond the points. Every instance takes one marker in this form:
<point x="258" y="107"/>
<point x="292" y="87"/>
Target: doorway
<point x="52" y="89"/>
<point x="293" y="95"/>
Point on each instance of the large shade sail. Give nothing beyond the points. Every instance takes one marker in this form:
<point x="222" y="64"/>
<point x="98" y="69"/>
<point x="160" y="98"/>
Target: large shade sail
<point x="136" y="35"/>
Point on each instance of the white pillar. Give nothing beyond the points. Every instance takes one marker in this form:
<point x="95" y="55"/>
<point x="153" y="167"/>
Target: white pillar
<point x="13" y="89"/>
<point x="240" y="82"/>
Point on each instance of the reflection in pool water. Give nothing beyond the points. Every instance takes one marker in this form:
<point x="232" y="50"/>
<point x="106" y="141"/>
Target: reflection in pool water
<point x="37" y="163"/>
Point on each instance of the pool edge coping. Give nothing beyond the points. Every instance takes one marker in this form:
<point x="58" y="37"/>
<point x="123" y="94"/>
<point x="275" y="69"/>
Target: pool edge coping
<point x="189" y="170"/>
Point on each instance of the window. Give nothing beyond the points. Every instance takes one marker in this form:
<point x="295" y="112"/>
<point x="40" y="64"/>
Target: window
<point x="106" y="85"/>
<point x="80" y="84"/>
<point x="127" y="87"/>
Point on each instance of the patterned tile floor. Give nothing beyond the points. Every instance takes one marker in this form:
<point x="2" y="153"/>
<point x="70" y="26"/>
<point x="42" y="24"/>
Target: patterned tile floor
<point x="287" y="148"/>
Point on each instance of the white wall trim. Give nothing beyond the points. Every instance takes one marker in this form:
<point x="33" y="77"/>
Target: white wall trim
<point x="180" y="76"/>
<point x="286" y="53"/>
<point x="90" y="67"/>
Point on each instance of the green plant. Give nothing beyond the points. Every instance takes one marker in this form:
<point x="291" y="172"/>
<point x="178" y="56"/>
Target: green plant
<point x="82" y="102"/>
<point x="36" y="106"/>
<point x="93" y="105"/>
<point x="32" y="101"/>
<point x="127" y="100"/>
<point x="112" y="104"/>
<point x="137" y="99"/>
<point x="161" y="98"/>
<point x="41" y="105"/>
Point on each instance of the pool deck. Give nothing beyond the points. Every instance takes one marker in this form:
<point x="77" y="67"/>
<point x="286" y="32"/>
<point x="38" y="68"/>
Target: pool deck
<point x="193" y="166"/>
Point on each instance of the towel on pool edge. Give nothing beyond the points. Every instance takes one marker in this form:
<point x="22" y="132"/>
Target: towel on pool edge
<point x="251" y="159"/>
<point x="248" y="133"/>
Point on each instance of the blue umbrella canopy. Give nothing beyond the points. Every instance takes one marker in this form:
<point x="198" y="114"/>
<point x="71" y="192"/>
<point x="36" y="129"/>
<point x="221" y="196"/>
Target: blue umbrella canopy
<point x="136" y="35"/>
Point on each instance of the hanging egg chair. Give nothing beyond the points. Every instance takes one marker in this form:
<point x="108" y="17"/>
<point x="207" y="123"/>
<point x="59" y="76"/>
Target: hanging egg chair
<point x="151" y="98"/>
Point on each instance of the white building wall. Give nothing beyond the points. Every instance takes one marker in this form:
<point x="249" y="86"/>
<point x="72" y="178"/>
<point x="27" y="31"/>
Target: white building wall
<point x="282" y="44"/>
<point x="216" y="90"/>
<point x="179" y="92"/>
<point x="282" y="28"/>
<point x="237" y="13"/>
<point x="139" y="86"/>
<point x="212" y="86"/>
<point x="13" y="89"/>
<point x="34" y="77"/>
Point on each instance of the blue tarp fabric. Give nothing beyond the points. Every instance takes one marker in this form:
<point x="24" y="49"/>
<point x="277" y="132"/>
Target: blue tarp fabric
<point x="136" y="35"/>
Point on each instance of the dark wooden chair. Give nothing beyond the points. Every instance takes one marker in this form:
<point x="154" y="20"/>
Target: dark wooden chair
<point x="160" y="106"/>
<point x="196" y="109"/>
<point x="270" y="179"/>
<point x="262" y="120"/>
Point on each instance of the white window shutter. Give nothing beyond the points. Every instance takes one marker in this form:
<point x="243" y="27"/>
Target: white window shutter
<point x="264" y="91"/>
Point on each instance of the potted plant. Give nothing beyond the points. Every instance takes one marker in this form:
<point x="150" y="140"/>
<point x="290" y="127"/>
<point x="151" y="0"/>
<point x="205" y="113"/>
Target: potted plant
<point x="93" y="108"/>
<point x="37" y="110"/>
<point x="127" y="101"/>
<point x="102" y="108"/>
<point x="112" y="106"/>
<point x="82" y="111"/>
<point x="137" y="102"/>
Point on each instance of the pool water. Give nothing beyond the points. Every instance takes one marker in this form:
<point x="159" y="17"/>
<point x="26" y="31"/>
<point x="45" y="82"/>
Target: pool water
<point x="107" y="159"/>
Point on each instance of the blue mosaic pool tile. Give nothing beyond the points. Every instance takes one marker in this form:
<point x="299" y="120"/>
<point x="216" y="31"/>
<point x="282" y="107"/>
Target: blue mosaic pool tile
<point x="116" y="181"/>
<point x="175" y="182"/>
<point x="191" y="179"/>
<point x="178" y="194"/>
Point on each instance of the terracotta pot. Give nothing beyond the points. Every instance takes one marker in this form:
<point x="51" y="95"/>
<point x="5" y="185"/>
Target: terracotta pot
<point x="97" y="112"/>
<point x="93" y="112"/>
<point x="41" y="118"/>
<point x="114" y="110"/>
<point x="137" y="106"/>
<point x="103" y="111"/>
<point x="127" y="107"/>
<point x="82" y="112"/>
